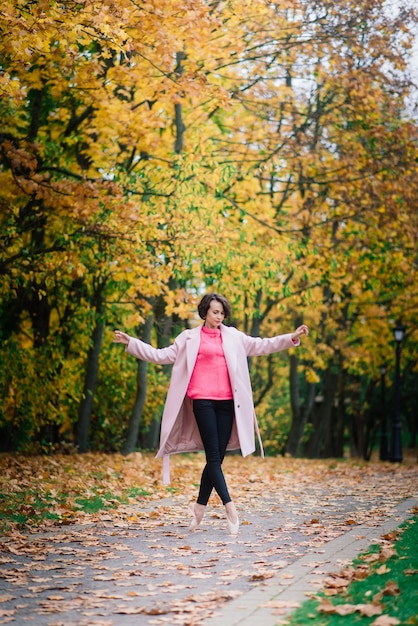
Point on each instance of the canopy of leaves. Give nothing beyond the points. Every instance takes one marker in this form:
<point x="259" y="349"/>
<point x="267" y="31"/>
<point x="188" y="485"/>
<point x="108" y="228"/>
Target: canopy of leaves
<point x="152" y="150"/>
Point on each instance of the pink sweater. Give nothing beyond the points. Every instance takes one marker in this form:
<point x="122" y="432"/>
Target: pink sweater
<point x="210" y="378"/>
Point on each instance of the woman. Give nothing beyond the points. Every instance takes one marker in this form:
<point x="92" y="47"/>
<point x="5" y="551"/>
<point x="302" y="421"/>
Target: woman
<point x="209" y="403"/>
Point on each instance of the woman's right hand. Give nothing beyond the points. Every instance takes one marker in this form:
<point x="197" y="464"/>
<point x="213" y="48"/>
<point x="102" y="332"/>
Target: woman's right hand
<point x="121" y="337"/>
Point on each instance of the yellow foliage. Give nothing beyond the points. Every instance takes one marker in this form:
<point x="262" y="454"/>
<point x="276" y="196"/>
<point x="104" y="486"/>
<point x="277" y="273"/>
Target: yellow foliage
<point x="163" y="148"/>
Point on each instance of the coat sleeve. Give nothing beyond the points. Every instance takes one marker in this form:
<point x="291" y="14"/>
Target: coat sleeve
<point x="146" y="352"/>
<point x="255" y="346"/>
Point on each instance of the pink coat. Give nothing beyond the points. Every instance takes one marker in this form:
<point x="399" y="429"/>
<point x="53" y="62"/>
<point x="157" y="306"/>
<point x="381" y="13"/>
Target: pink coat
<point x="179" y="432"/>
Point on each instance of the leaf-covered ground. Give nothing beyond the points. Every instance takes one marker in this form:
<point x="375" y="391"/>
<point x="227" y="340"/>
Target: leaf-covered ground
<point x="380" y="584"/>
<point x="45" y="491"/>
<point x="111" y="542"/>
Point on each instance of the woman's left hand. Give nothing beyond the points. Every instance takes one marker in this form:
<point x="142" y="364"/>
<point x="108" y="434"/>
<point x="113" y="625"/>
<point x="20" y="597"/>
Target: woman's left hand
<point x="301" y="330"/>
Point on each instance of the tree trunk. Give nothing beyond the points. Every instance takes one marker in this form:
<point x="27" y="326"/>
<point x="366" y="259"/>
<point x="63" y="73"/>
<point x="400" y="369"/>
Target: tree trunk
<point x="130" y="442"/>
<point x="356" y="435"/>
<point x="298" y="424"/>
<point x="300" y="414"/>
<point x="362" y="428"/>
<point x="322" y="417"/>
<point x="40" y="312"/>
<point x="86" y="404"/>
<point x="178" y="115"/>
<point x="151" y="436"/>
<point x="339" y="430"/>
<point x="38" y="303"/>
<point x="413" y="428"/>
<point x="90" y="381"/>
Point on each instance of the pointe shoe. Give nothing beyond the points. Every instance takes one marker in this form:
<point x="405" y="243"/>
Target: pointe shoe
<point x="233" y="527"/>
<point x="195" y="521"/>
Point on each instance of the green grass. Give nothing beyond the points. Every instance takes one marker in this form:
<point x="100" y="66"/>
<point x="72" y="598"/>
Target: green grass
<point x="22" y="506"/>
<point x="172" y="489"/>
<point x="29" y="508"/>
<point x="401" y="568"/>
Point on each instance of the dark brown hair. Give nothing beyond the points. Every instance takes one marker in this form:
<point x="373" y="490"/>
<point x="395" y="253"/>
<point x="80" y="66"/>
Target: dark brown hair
<point x="204" y="304"/>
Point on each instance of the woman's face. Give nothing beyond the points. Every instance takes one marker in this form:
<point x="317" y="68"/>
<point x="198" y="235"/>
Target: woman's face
<point x="215" y="315"/>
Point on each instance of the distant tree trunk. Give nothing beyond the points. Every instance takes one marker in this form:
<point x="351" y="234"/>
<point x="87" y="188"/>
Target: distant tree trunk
<point x="339" y="430"/>
<point x="322" y="417"/>
<point x="151" y="436"/>
<point x="356" y="436"/>
<point x="413" y="428"/>
<point x="178" y="116"/>
<point x="164" y="324"/>
<point x="300" y="414"/>
<point x="37" y="298"/>
<point x="362" y="428"/>
<point x="90" y="381"/>
<point x="131" y="440"/>
<point x="298" y="417"/>
<point x="252" y="325"/>
<point x="40" y="312"/>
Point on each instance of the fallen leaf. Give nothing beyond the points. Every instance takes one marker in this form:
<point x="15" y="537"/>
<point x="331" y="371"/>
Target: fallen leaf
<point x="369" y="610"/>
<point x="7" y="612"/>
<point x="386" y="552"/>
<point x="391" y="589"/>
<point x="391" y="536"/>
<point x="385" y="620"/>
<point x="336" y="582"/>
<point x="340" y="609"/>
<point x="131" y="610"/>
<point x="347" y="609"/>
<point x="260" y="576"/>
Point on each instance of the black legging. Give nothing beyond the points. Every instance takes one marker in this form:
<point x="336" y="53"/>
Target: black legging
<point x="214" y="419"/>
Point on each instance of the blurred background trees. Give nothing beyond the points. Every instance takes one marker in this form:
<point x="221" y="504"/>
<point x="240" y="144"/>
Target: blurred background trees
<point x="151" y="152"/>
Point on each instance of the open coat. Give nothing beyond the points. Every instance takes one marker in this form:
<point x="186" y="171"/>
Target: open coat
<point x="179" y="431"/>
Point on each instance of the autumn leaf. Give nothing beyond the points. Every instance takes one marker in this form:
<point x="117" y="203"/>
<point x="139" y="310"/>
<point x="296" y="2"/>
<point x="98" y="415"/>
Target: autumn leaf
<point x="261" y="576"/>
<point x="386" y="620"/>
<point x="346" y="609"/>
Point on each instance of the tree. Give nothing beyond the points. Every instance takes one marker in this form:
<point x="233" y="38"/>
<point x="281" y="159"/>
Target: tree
<point x="259" y="149"/>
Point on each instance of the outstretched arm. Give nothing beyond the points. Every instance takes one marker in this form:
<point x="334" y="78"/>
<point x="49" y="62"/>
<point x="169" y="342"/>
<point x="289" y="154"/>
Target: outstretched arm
<point x="146" y="352"/>
<point x="255" y="346"/>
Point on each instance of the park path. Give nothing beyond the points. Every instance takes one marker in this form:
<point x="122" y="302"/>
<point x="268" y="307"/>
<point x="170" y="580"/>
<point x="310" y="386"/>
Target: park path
<point x="142" y="567"/>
